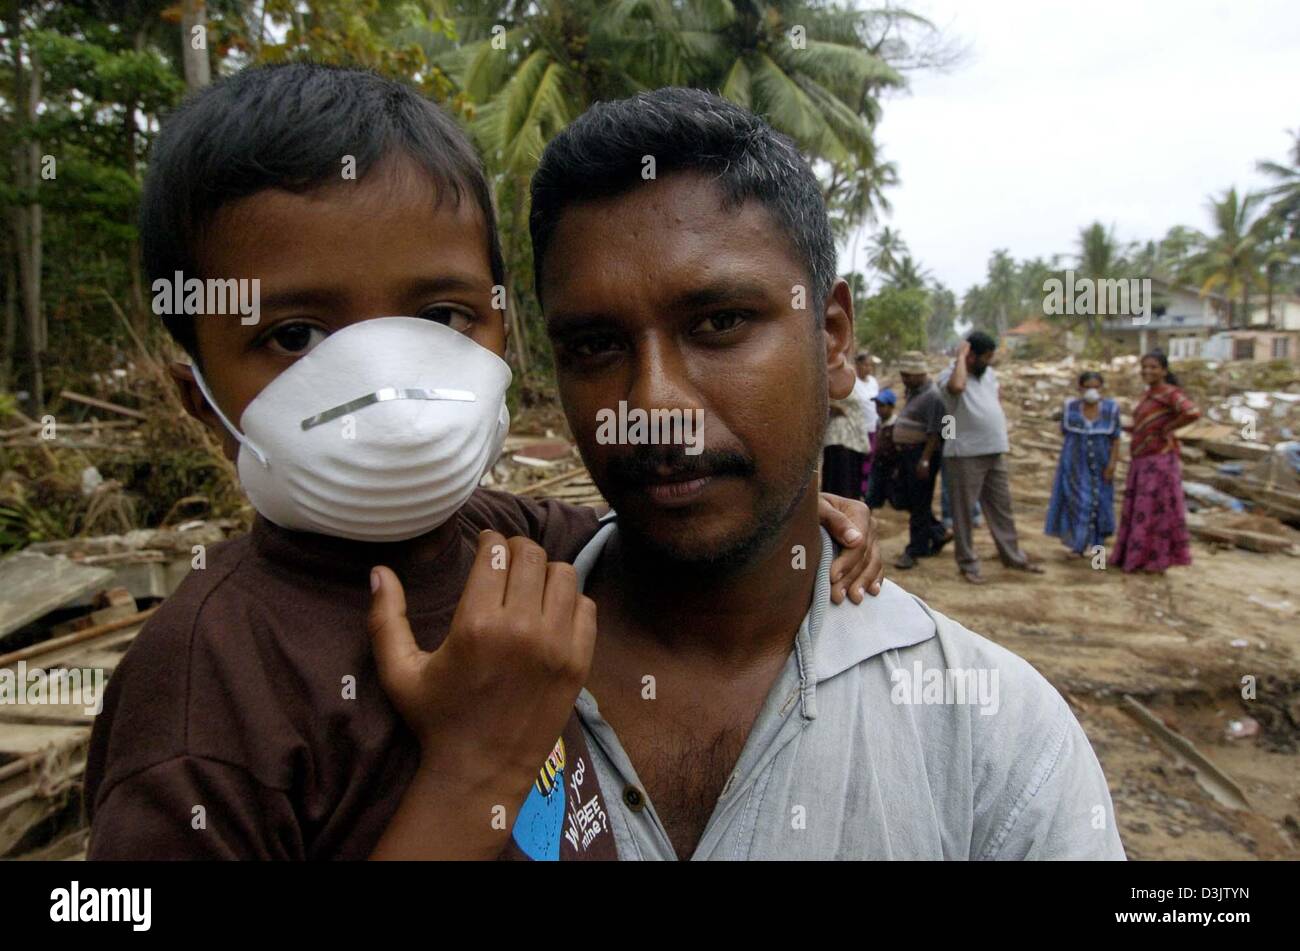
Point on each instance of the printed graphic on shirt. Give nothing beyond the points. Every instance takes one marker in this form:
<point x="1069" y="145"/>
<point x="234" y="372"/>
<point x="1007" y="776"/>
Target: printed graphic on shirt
<point x="541" y="820"/>
<point x="564" y="817"/>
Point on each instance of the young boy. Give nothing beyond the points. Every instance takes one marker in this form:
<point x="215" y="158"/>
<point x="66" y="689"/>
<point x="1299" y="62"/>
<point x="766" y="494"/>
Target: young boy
<point x="248" y="720"/>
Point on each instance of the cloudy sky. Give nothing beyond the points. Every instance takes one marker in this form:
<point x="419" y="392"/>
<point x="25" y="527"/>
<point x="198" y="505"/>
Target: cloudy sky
<point x="1130" y="112"/>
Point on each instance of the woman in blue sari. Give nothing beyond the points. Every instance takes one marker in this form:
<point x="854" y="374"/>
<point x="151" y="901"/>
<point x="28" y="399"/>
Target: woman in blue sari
<point x="1082" y="510"/>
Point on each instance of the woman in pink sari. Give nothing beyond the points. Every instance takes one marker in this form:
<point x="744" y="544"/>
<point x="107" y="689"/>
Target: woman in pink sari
<point x="1153" y="527"/>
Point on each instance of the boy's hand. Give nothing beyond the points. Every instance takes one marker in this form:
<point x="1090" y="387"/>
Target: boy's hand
<point x="858" y="568"/>
<point x="490" y="702"/>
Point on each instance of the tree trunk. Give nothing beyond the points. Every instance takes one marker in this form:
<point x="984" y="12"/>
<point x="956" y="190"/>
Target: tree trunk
<point x="130" y="136"/>
<point x="197" y="70"/>
<point x="513" y="318"/>
<point x="11" y="316"/>
<point x="28" y="221"/>
<point x="1268" y="297"/>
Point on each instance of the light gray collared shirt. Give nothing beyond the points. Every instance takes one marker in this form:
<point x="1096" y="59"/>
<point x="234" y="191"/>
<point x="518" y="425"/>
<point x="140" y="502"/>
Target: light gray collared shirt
<point x="892" y="732"/>
<point x="979" y="425"/>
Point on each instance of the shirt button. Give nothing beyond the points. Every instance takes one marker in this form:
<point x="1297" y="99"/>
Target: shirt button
<point x="633" y="798"/>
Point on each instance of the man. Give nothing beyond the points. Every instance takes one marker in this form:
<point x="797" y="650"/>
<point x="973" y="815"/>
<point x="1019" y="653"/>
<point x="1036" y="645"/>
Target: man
<point x="865" y="390"/>
<point x="917" y="436"/>
<point x="740" y="715"/>
<point x="846" y="445"/>
<point x="976" y="456"/>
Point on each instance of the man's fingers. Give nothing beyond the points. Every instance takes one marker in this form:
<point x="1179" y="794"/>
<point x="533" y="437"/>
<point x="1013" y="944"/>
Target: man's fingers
<point x="527" y="581"/>
<point x="391" y="636"/>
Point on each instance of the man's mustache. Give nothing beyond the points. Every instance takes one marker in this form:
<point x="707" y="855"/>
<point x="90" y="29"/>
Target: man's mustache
<point x="645" y="465"/>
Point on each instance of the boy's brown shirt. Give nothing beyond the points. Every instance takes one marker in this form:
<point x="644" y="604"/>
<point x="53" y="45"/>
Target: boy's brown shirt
<point x="253" y="694"/>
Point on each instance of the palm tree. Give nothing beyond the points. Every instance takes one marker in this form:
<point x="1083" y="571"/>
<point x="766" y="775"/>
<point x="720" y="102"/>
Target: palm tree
<point x="804" y="66"/>
<point x="1001" y="291"/>
<point x="1228" y="261"/>
<point x="908" y="274"/>
<point x="886" y="248"/>
<point x="1099" y="258"/>
<point x="1285" y="195"/>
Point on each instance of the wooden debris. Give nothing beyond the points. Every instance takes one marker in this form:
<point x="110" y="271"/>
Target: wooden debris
<point x="1231" y="449"/>
<point x="1240" y="538"/>
<point x="102" y="404"/>
<point x="32" y="585"/>
<point x="1213" y="780"/>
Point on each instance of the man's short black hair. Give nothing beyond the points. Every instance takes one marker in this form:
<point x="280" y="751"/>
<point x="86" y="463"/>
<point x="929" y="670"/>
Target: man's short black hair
<point x="289" y="126"/>
<point x="1087" y="375"/>
<point x="981" y="343"/>
<point x="602" y="154"/>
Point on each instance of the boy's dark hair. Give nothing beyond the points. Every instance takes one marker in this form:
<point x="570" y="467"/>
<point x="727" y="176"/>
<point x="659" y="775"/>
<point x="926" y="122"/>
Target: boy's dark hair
<point x="981" y="343"/>
<point x="289" y="126"/>
<point x="601" y="154"/>
<point x="1087" y="375"/>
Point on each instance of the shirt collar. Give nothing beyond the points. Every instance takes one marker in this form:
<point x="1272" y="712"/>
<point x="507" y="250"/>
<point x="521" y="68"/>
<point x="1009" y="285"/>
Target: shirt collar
<point x="832" y="638"/>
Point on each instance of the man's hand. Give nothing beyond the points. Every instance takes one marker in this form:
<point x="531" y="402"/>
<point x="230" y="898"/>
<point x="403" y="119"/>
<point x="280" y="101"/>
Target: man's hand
<point x="923" y="469"/>
<point x="488" y="705"/>
<point x="1108" y="474"/>
<point x="858" y="568"/>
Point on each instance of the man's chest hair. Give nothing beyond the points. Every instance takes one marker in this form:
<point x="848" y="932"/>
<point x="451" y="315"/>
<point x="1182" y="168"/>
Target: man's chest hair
<point x="684" y="771"/>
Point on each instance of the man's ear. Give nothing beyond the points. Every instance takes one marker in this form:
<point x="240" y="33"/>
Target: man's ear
<point x="840" y="376"/>
<point x="197" y="406"/>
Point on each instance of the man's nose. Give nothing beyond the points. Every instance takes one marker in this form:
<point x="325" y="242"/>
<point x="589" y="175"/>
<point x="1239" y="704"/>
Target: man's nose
<point x="661" y="379"/>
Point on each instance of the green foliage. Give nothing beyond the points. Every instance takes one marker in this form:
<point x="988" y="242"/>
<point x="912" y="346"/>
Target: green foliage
<point x="893" y="320"/>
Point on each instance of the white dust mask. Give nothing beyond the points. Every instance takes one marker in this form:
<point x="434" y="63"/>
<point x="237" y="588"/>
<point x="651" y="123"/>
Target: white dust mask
<point x="1092" y="395"/>
<point x="379" y="434"/>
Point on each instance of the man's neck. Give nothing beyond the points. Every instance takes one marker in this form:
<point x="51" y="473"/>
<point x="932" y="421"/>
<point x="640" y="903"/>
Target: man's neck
<point x="739" y="614"/>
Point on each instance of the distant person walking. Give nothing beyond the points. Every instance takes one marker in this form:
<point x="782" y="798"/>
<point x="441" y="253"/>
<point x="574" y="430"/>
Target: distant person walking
<point x="845" y="446"/>
<point x="918" y="438"/>
<point x="865" y="388"/>
<point x="976" y="456"/>
<point x="882" y="438"/>
<point x="1081" y="512"/>
<point x="1153" y="525"/>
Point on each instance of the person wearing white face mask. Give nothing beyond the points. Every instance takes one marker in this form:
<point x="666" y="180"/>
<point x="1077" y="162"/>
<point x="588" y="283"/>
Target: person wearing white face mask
<point x="1081" y="512"/>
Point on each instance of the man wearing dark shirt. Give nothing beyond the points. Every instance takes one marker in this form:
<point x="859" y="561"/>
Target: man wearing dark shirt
<point x="918" y="436"/>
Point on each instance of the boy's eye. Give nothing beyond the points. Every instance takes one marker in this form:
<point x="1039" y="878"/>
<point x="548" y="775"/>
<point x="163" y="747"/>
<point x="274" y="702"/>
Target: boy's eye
<point x="297" y="338"/>
<point x="457" y="318"/>
<point x="720" y="322"/>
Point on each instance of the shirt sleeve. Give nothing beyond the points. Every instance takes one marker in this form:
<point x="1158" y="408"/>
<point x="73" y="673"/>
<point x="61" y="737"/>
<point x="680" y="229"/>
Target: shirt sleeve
<point x="937" y="412"/>
<point x="191" y="807"/>
<point x="562" y="529"/>
<point x="1182" y="405"/>
<point x="1064" y="811"/>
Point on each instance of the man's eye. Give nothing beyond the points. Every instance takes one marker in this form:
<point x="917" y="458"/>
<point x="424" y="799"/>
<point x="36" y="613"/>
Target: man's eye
<point x="457" y="318"/>
<point x="719" y="322"/>
<point x="297" y="338"/>
<point x="592" y="345"/>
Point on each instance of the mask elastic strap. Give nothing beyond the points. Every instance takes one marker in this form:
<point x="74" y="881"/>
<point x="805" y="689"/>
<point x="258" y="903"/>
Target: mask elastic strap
<point x="240" y="437"/>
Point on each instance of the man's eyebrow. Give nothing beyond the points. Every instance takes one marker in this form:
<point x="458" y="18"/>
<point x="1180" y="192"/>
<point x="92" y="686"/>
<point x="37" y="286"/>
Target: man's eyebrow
<point x="720" y="292"/>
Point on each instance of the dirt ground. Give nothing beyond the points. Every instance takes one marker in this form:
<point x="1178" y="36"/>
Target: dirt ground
<point x="1166" y="641"/>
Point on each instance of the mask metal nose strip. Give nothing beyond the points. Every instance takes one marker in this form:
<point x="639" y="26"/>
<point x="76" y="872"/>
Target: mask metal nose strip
<point x="385" y="395"/>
